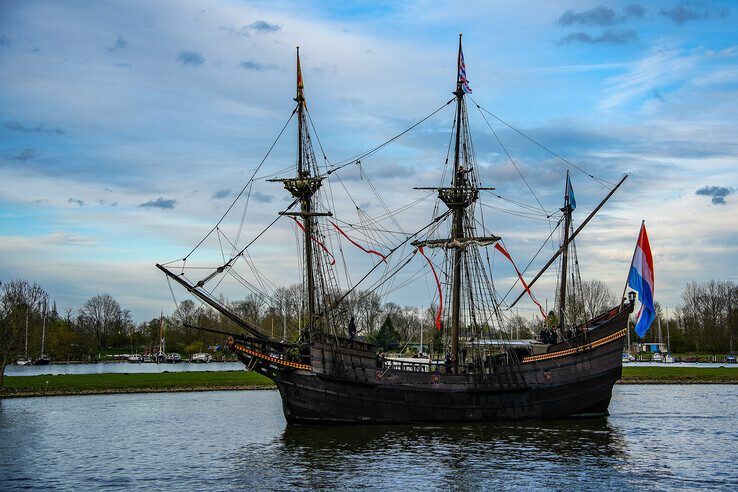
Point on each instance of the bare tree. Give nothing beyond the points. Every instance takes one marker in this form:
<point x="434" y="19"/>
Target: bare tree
<point x="708" y="314"/>
<point x="596" y="297"/>
<point x="369" y="312"/>
<point x="517" y="326"/>
<point x="19" y="302"/>
<point x="102" y="315"/>
<point x="251" y="308"/>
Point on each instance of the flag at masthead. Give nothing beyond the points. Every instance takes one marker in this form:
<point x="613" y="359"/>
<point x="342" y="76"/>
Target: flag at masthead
<point x="463" y="81"/>
<point x="300" y="87"/>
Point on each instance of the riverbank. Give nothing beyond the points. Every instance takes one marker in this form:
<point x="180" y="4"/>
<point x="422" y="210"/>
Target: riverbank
<point x="679" y="375"/>
<point x="96" y="384"/>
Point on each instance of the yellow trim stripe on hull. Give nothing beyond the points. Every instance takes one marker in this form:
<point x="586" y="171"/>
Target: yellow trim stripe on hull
<point x="274" y="360"/>
<point x="581" y="348"/>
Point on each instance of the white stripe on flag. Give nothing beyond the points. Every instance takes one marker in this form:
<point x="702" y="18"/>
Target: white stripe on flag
<point x="641" y="266"/>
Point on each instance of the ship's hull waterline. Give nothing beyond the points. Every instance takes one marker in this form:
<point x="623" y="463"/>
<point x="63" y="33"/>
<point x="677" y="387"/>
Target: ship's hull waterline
<point x="573" y="379"/>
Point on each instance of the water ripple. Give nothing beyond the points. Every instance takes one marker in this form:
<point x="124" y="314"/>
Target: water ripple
<point x="658" y="437"/>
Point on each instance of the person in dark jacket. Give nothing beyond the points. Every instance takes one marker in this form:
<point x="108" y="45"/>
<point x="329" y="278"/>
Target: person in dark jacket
<point x="352" y="329"/>
<point x="447" y="364"/>
<point x="544" y="336"/>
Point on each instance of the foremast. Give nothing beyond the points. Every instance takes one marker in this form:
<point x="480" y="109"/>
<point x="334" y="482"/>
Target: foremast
<point x="303" y="187"/>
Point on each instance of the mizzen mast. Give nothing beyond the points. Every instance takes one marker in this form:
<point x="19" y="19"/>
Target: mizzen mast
<point x="567" y="209"/>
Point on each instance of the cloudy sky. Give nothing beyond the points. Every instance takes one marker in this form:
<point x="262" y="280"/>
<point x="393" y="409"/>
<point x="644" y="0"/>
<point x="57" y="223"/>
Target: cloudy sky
<point x="126" y="128"/>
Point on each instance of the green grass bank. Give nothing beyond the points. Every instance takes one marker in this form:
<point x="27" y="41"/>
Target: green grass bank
<point x="679" y="375"/>
<point x="87" y="384"/>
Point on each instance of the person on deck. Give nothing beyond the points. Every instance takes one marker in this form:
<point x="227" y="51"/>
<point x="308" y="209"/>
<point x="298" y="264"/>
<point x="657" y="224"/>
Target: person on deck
<point x="543" y="336"/>
<point x="352" y="329"/>
<point x="554" y="337"/>
<point x="447" y="364"/>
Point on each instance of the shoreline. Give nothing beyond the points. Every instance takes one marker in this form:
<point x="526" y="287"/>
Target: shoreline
<point x="264" y="387"/>
<point x="124" y="391"/>
<point x="195" y="381"/>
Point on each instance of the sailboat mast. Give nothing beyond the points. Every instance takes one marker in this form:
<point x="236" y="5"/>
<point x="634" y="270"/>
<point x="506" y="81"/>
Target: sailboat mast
<point x="564" y="254"/>
<point x="305" y="198"/>
<point x="161" y="332"/>
<point x="668" y="335"/>
<point x="457" y="229"/>
<point x="43" y="330"/>
<point x="25" y="351"/>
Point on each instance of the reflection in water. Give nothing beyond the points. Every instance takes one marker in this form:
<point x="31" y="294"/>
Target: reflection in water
<point x="416" y="456"/>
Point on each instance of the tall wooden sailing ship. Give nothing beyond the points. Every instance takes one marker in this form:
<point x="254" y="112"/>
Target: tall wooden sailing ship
<point x="328" y="375"/>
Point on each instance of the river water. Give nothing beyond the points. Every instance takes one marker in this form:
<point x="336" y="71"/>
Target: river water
<point x="658" y="437"/>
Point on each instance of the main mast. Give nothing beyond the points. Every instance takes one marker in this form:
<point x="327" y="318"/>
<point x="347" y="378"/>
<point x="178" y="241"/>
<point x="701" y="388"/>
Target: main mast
<point x="457" y="228"/>
<point x="462" y="193"/>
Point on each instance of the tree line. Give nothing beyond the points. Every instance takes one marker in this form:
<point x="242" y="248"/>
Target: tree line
<point x="704" y="322"/>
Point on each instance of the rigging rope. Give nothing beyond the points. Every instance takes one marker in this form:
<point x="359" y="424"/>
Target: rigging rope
<point x="601" y="181"/>
<point x="245" y="186"/>
<point x="370" y="251"/>
<point x="439" y="312"/>
<point x="359" y="157"/>
<point x="504" y="252"/>
<point x="512" y="161"/>
<point x="555" y="228"/>
<point x="316" y="241"/>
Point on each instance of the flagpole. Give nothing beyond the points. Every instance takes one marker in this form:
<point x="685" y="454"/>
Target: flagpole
<point x="635" y="248"/>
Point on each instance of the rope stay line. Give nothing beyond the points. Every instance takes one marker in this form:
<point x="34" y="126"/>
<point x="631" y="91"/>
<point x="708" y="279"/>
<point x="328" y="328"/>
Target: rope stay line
<point x="248" y="183"/>
<point x="359" y="157"/>
<point x="509" y="157"/>
<point x="601" y="181"/>
<point x="356" y="285"/>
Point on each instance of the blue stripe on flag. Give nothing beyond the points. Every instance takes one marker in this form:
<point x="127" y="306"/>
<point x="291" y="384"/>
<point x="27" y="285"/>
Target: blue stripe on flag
<point x="648" y="312"/>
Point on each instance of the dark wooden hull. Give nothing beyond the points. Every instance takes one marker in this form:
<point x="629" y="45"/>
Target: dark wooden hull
<point x="572" y="379"/>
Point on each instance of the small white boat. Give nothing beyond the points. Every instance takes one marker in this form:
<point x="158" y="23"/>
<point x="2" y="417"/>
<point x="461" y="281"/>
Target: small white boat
<point x="668" y="358"/>
<point x="657" y="357"/>
<point x="172" y="358"/>
<point x="24" y="362"/>
<point x="201" y="358"/>
<point x="628" y="358"/>
<point x="135" y="358"/>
